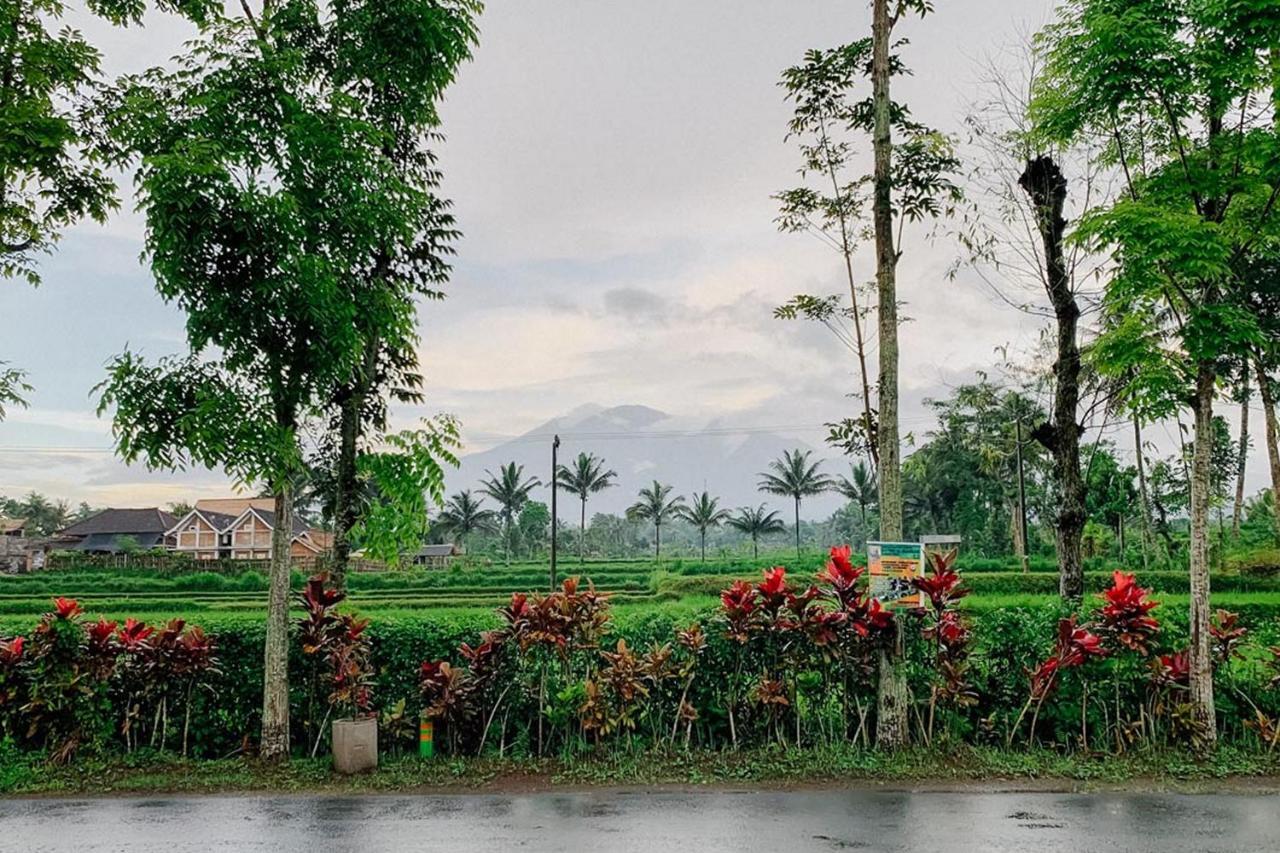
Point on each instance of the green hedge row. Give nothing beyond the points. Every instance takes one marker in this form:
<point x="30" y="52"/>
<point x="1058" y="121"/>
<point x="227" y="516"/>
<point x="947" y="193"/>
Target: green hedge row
<point x="1008" y="640"/>
<point x="1009" y="583"/>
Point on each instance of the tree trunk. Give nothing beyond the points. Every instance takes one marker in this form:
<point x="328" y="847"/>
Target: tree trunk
<point x="345" y="515"/>
<point x="582" y="535"/>
<point x="1242" y="461"/>
<point x="797" y="528"/>
<point x="1201" y="693"/>
<point x="1046" y="186"/>
<point x="1144" y="495"/>
<point x="275" y="682"/>
<point x="891" y="703"/>
<point x="657" y="543"/>
<point x="1273" y="439"/>
<point x="704" y="544"/>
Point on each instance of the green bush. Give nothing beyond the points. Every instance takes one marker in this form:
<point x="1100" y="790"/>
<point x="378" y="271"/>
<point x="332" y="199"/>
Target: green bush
<point x="1263" y="563"/>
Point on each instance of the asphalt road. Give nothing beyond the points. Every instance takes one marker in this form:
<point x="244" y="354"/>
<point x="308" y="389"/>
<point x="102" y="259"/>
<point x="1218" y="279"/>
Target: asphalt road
<point x="608" y="821"/>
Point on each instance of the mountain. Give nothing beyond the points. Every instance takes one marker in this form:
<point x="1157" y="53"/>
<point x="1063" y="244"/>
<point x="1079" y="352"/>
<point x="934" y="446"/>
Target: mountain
<point x="643" y="444"/>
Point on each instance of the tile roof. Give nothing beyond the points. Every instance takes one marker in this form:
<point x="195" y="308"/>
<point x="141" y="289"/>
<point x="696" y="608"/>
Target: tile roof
<point x="130" y="521"/>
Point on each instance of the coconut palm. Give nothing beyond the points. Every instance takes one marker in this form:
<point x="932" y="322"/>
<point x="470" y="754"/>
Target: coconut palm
<point x="464" y="515"/>
<point x="757" y="522"/>
<point x="861" y="489"/>
<point x="704" y="514"/>
<point x="655" y="508"/>
<point x="511" y="490"/>
<point x="585" y="478"/>
<point x="794" y="477"/>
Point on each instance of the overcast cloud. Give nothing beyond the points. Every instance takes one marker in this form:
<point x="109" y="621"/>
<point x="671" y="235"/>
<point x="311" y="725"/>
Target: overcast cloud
<point x="611" y="165"/>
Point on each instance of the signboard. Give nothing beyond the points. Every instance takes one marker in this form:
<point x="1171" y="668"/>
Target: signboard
<point x="891" y="565"/>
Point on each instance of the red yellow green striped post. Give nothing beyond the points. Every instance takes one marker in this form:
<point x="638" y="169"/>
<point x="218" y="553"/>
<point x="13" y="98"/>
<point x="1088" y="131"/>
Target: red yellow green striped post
<point x="426" y="738"/>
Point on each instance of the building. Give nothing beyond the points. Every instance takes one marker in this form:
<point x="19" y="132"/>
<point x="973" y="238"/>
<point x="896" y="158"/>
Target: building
<point x="14" y="528"/>
<point x="113" y="531"/>
<point x="435" y="556"/>
<point x="236" y="529"/>
<point x="20" y="554"/>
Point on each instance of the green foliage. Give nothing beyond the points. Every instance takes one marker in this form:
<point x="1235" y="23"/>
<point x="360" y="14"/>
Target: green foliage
<point x="408" y="476"/>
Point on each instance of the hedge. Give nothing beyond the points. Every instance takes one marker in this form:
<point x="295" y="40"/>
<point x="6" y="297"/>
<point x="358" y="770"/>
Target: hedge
<point x="1011" y="635"/>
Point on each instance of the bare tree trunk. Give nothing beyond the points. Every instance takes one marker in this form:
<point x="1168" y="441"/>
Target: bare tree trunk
<point x="275" y="682"/>
<point x="1201" y="692"/>
<point x="891" y="692"/>
<point x="582" y="535"/>
<point x="1046" y="186"/>
<point x="797" y="528"/>
<point x="1145" y="496"/>
<point x="1273" y="439"/>
<point x="346" y="505"/>
<point x="1242" y="461"/>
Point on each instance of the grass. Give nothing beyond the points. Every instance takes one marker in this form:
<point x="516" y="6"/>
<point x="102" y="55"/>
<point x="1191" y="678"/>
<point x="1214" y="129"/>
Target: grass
<point x="1042" y="769"/>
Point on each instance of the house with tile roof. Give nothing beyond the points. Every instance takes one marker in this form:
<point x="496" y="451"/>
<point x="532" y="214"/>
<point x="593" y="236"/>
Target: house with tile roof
<point x="211" y="532"/>
<point x="115" y="530"/>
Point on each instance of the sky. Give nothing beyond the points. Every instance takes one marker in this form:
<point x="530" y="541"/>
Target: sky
<point x="611" y="165"/>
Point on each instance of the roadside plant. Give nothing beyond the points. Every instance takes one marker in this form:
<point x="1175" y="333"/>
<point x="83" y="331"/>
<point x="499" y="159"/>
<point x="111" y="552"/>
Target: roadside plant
<point x="949" y="635"/>
<point x="336" y="647"/>
<point x="1074" y="646"/>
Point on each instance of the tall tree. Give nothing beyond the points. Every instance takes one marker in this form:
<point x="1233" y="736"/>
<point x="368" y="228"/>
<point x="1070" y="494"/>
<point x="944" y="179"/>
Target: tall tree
<point x="587" y="477"/>
<point x="704" y="513"/>
<point x="657" y="507"/>
<point x="464" y="515"/>
<point x="511" y="490"/>
<point x="757" y="522"/>
<point x="795" y="477"/>
<point x="1171" y="85"/>
<point x="861" y="489"/>
<point x="264" y="187"/>
<point x="1245" y="397"/>
<point x="830" y="202"/>
<point x="395" y="59"/>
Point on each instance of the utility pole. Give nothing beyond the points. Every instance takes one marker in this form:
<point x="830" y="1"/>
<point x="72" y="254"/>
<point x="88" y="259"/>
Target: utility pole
<point x="555" y="468"/>
<point x="1022" y="494"/>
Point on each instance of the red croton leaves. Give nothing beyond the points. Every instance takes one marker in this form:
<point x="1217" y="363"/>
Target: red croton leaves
<point x="11" y="650"/>
<point x="1227" y="634"/>
<point x="942" y="585"/>
<point x="1126" y="613"/>
<point x="1173" y="670"/>
<point x="1074" y="646"/>
<point x="134" y="633"/>
<point x="67" y="608"/>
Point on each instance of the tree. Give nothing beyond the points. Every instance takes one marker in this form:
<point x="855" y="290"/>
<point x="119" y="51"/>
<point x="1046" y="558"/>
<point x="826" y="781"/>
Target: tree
<point x="511" y="490"/>
<point x="757" y="522"/>
<point x="657" y="508"/>
<point x="13" y="385"/>
<point x="587" y="477"/>
<point x="861" y="489"/>
<point x="704" y="513"/>
<point x="1171" y="85"/>
<point x="794" y="477"/>
<point x="264" y="187"/>
<point x="396" y="59"/>
<point x="464" y="515"/>
<point x="820" y="88"/>
<point x="534" y="526"/>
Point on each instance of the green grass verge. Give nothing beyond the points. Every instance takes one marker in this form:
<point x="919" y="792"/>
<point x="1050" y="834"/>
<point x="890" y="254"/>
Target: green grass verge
<point x="150" y="774"/>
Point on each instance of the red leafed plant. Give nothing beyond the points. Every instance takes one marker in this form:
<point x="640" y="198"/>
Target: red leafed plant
<point x="1172" y="670"/>
<point x="1126" y="614"/>
<point x="1074" y="645"/>
<point x="338" y="652"/>
<point x="738" y="604"/>
<point x="942" y="584"/>
<point x="1227" y="634"/>
<point x="67" y="608"/>
<point x="12" y="684"/>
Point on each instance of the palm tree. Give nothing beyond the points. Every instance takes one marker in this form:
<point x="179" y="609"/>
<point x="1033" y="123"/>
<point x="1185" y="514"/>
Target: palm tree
<point x="511" y="491"/>
<point x="703" y="514"/>
<point x="793" y="476"/>
<point x="756" y="523"/>
<point x="655" y="508"/>
<point x="585" y="478"/>
<point x="860" y="490"/>
<point x="464" y="515"/>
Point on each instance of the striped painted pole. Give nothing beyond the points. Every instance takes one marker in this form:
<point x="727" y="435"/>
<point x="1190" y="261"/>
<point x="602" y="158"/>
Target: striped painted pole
<point x="426" y="738"/>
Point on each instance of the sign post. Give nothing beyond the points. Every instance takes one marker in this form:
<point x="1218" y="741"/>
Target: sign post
<point x="891" y="566"/>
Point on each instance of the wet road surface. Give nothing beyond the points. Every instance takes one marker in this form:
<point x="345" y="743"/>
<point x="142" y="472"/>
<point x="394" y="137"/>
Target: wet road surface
<point x="608" y="821"/>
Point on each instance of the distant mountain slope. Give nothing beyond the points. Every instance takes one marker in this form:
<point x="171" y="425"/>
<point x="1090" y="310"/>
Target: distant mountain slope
<point x="644" y="444"/>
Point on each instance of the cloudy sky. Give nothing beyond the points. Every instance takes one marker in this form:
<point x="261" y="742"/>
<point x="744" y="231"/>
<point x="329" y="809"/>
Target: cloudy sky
<point x="611" y="164"/>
